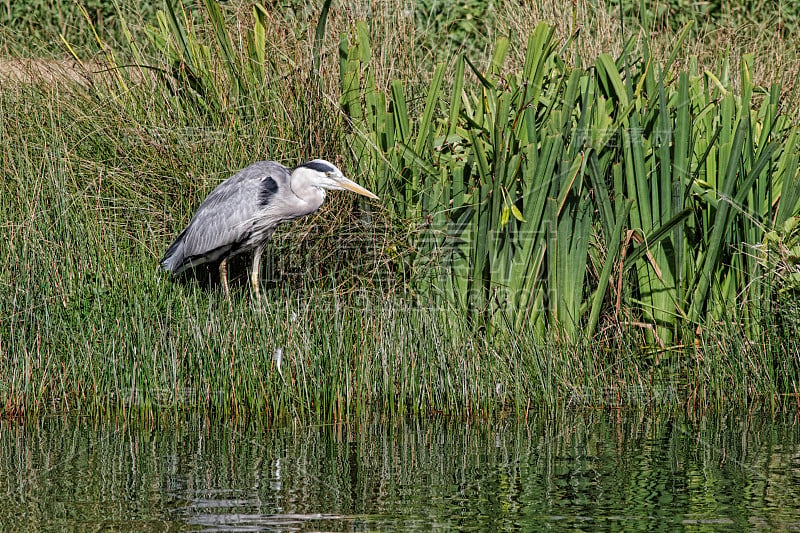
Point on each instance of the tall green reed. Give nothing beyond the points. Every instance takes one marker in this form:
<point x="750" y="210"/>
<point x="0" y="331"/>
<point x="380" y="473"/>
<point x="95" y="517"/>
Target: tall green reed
<point x="527" y="186"/>
<point x="535" y="190"/>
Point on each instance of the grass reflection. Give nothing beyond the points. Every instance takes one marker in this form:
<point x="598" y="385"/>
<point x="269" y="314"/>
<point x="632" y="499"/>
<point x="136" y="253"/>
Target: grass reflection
<point x="595" y="469"/>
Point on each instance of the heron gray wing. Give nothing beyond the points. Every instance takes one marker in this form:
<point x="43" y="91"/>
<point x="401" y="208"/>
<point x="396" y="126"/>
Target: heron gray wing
<point x="232" y="218"/>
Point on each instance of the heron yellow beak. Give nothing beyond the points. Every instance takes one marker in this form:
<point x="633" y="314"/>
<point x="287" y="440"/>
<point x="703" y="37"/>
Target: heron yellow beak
<point x="355" y="187"/>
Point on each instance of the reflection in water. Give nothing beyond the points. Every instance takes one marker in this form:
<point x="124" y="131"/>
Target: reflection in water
<point x="592" y="470"/>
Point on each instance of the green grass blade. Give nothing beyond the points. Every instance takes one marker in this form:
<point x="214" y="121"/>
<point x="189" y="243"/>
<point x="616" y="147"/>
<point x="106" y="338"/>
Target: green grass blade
<point x="720" y="225"/>
<point x="319" y="37"/>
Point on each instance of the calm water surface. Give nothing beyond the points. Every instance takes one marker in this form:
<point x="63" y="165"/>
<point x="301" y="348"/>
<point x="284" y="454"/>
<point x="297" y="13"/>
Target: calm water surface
<point x="585" y="470"/>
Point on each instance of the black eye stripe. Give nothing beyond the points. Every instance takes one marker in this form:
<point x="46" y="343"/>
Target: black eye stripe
<point x="318" y="166"/>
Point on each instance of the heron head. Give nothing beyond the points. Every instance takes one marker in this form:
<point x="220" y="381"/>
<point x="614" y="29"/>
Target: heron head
<point x="326" y="175"/>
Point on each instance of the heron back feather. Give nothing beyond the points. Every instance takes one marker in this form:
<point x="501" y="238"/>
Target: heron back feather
<point x="233" y="218"/>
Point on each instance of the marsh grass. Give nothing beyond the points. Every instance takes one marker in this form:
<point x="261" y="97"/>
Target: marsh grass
<point x="98" y="176"/>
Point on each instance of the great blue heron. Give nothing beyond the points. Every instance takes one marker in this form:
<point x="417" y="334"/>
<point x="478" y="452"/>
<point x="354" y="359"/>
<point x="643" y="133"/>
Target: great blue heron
<point x="243" y="211"/>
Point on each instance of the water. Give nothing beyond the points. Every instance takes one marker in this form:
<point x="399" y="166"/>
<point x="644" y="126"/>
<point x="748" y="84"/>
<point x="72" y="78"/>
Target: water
<point x="584" y="470"/>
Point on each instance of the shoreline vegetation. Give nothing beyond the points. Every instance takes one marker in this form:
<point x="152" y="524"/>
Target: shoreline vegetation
<point x="575" y="211"/>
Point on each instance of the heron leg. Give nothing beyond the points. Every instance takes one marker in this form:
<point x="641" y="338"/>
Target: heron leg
<point x="256" y="267"/>
<point x="223" y="277"/>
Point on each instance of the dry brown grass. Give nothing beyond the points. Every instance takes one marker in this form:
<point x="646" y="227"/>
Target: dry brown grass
<point x="40" y="70"/>
<point x="400" y="52"/>
<point x="775" y="51"/>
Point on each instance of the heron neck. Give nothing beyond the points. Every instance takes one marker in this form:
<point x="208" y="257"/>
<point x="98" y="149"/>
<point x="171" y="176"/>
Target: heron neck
<point x="309" y="195"/>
